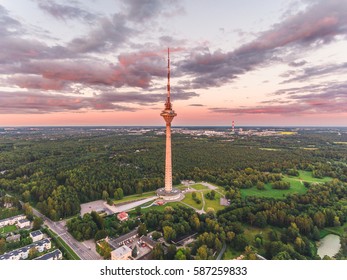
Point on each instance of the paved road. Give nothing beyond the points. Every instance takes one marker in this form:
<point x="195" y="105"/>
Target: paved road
<point x="130" y="205"/>
<point x="83" y="251"/>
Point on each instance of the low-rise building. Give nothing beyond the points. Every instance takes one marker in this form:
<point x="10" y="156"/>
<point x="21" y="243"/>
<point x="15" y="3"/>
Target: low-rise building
<point x="23" y="253"/>
<point x="123" y="216"/>
<point x="36" y="235"/>
<point x="148" y="241"/>
<point x="23" y="223"/>
<point x="54" y="255"/>
<point x="11" y="237"/>
<point x="121" y="253"/>
<point x="122" y="240"/>
<point x="11" y="220"/>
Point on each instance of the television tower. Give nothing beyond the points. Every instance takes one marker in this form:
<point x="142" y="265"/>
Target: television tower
<point x="168" y="114"/>
<point x="233" y="127"/>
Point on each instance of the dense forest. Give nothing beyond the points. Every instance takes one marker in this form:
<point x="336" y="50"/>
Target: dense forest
<point x="56" y="170"/>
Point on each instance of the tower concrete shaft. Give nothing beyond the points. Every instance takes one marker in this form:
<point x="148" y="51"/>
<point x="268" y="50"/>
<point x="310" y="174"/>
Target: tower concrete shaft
<point x="168" y="114"/>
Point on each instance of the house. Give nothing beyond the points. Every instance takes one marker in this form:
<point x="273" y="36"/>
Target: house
<point x="123" y="216"/>
<point x="54" y="255"/>
<point x="11" y="220"/>
<point x="23" y="223"/>
<point x="121" y="253"/>
<point x="36" y="235"/>
<point x="11" y="237"/>
<point x="23" y="253"/>
<point x="123" y="240"/>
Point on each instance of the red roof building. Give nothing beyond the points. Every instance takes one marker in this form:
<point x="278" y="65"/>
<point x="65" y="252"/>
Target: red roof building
<point x="123" y="216"/>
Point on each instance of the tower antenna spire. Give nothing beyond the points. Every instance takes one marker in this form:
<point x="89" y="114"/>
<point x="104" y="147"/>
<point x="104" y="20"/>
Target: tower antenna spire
<point x="168" y="101"/>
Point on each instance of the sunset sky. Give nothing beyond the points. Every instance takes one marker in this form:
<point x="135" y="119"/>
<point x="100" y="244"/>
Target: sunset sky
<point x="103" y="62"/>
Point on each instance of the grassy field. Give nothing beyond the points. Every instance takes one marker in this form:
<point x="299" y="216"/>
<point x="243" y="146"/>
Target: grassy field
<point x="135" y="197"/>
<point x="189" y="200"/>
<point x="307" y="176"/>
<point x="7" y="229"/>
<point x="155" y="207"/>
<point x="334" y="230"/>
<point x="199" y="187"/>
<point x="215" y="204"/>
<point x="296" y="186"/>
<point x="270" y="192"/>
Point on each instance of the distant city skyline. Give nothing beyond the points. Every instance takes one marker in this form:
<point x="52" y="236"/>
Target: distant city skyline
<point x="103" y="63"/>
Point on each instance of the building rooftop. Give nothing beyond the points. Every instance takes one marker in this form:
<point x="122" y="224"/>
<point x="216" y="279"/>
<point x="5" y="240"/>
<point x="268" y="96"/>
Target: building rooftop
<point x="14" y="217"/>
<point x="51" y="255"/>
<point x="122" y="215"/>
<point x="22" y="221"/>
<point x="35" y="233"/>
<point x="121" y="251"/>
<point x="115" y="241"/>
<point x="148" y="240"/>
<point x="7" y="256"/>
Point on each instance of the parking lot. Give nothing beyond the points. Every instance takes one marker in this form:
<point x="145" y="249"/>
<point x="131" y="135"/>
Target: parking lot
<point x="97" y="206"/>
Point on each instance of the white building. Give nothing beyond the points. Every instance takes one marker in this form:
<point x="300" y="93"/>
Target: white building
<point x="36" y="235"/>
<point x="23" y="253"/>
<point x="11" y="220"/>
<point x="54" y="255"/>
<point x="121" y="253"/>
<point x="23" y="223"/>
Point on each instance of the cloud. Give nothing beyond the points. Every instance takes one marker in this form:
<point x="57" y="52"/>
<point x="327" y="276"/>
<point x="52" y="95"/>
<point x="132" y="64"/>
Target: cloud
<point x="316" y="71"/>
<point x="133" y="69"/>
<point x="66" y="12"/>
<point x="316" y="99"/>
<point x="36" y="82"/>
<point x="196" y="105"/>
<point x="144" y="10"/>
<point x="108" y="35"/>
<point x="43" y="102"/>
<point x="297" y="63"/>
<point x="319" y="24"/>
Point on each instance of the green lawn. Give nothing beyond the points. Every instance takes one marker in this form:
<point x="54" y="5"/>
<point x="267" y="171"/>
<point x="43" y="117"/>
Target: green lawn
<point x="215" y="204"/>
<point x="135" y="197"/>
<point x="307" y="176"/>
<point x="199" y="187"/>
<point x="270" y="192"/>
<point x="334" y="230"/>
<point x="189" y="200"/>
<point x="7" y="229"/>
<point x="296" y="186"/>
<point x="156" y="207"/>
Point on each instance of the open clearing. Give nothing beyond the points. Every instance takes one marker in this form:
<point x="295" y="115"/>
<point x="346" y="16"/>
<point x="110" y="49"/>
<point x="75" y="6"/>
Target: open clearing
<point x="296" y="186"/>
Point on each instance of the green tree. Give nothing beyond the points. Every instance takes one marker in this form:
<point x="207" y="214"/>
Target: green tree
<point x="134" y="252"/>
<point x="28" y="210"/>
<point x="138" y="210"/>
<point x="171" y="252"/>
<point x="118" y="194"/>
<point x="33" y="253"/>
<point x="142" y="229"/>
<point x="2" y="245"/>
<point x="180" y="255"/>
<point x="158" y="252"/>
<point x="37" y="223"/>
<point x="105" y="195"/>
<point x="169" y="233"/>
<point x="202" y="253"/>
<point x="156" y="235"/>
